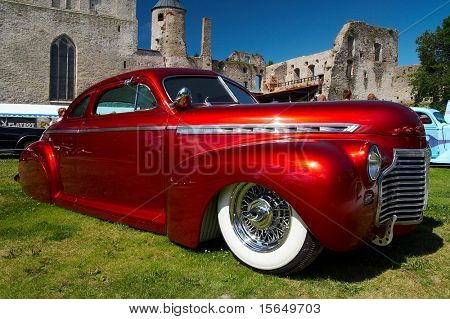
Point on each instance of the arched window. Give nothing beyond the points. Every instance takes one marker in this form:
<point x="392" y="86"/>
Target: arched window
<point x="351" y="46"/>
<point x="258" y="81"/>
<point x="311" y="70"/>
<point x="62" y="69"/>
<point x="377" y="47"/>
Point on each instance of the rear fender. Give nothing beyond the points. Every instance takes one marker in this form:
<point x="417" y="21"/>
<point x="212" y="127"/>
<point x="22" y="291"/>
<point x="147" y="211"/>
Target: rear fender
<point x="324" y="181"/>
<point x="38" y="172"/>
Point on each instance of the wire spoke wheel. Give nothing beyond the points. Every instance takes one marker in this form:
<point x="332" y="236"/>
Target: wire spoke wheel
<point x="264" y="231"/>
<point x="260" y="217"/>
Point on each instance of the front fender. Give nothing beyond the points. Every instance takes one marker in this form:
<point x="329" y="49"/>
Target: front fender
<point x="38" y="173"/>
<point x="325" y="181"/>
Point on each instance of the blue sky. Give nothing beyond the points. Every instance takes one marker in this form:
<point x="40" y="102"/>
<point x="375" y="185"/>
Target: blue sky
<point x="284" y="29"/>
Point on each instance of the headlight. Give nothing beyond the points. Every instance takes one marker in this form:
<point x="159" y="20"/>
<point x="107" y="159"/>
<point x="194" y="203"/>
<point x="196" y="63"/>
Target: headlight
<point x="374" y="163"/>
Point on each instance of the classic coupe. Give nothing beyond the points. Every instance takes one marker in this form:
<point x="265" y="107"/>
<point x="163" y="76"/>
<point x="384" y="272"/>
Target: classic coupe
<point x="192" y="155"/>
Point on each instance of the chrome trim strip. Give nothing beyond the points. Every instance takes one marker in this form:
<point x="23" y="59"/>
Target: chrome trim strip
<point x="62" y="132"/>
<point x="422" y="187"/>
<point x="103" y="130"/>
<point x="228" y="129"/>
<point x="268" y="128"/>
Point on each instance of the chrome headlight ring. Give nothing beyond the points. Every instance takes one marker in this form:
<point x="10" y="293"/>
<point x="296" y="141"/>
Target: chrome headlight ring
<point x="374" y="163"/>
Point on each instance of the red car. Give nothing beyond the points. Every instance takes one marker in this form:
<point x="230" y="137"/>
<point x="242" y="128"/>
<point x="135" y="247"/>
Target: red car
<point x="192" y="155"/>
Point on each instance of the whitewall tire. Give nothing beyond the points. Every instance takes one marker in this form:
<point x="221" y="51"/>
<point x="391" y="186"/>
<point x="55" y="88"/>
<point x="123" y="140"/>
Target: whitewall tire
<point x="263" y="231"/>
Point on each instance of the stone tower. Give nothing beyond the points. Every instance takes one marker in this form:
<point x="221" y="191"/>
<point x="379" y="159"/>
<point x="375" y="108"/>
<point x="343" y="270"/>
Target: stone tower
<point x="206" y="44"/>
<point x="168" y="32"/>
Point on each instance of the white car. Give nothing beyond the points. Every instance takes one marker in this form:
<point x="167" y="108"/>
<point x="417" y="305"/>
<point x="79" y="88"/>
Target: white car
<point x="447" y="113"/>
<point x="437" y="129"/>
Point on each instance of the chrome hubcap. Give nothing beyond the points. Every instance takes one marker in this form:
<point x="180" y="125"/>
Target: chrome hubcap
<point x="260" y="217"/>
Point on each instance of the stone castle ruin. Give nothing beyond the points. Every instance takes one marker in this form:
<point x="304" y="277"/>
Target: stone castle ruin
<point x="364" y="59"/>
<point x="51" y="50"/>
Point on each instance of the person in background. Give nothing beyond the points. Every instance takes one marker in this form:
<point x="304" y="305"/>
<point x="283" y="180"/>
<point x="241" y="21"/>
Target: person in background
<point x="371" y="97"/>
<point x="321" y="98"/>
<point x="347" y="95"/>
<point x="61" y="112"/>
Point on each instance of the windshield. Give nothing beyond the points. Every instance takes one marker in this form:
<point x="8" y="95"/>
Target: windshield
<point x="242" y="95"/>
<point x="207" y="90"/>
<point x="439" y="117"/>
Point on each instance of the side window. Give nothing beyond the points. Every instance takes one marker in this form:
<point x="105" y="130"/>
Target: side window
<point x="424" y="118"/>
<point x="242" y="96"/>
<point x="117" y="100"/>
<point x="145" y="99"/>
<point x="126" y="99"/>
<point x="80" y="109"/>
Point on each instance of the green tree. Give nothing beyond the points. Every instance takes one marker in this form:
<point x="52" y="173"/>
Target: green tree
<point x="431" y="80"/>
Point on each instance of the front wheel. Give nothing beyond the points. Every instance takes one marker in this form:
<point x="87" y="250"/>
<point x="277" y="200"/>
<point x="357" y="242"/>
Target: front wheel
<point x="263" y="231"/>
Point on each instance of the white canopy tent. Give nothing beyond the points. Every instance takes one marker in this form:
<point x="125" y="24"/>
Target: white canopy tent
<point x="29" y="110"/>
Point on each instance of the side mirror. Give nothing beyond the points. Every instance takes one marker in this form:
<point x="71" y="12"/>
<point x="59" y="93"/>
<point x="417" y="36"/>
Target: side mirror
<point x="183" y="99"/>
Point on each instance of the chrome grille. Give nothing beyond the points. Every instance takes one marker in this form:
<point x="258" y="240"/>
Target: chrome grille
<point x="404" y="187"/>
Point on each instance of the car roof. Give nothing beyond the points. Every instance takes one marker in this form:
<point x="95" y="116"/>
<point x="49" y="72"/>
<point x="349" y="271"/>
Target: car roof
<point x="424" y="109"/>
<point x="156" y="73"/>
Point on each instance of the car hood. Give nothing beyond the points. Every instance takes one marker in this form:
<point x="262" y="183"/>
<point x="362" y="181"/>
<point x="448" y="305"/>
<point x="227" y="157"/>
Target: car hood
<point x="383" y="118"/>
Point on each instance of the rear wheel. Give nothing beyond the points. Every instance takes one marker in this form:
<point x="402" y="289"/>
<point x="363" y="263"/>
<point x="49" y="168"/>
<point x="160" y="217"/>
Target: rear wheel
<point x="263" y="231"/>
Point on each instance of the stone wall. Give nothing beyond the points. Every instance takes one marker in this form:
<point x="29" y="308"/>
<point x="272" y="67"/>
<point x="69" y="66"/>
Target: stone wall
<point x="144" y="59"/>
<point x="402" y="92"/>
<point x="105" y="46"/>
<point x="114" y="8"/>
<point x="365" y="58"/>
<point x="303" y="67"/>
<point x="248" y="69"/>
<point x="104" y="32"/>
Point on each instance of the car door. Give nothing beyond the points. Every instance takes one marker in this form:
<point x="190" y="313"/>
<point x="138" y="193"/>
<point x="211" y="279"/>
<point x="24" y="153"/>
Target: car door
<point x="63" y="136"/>
<point x="446" y="136"/>
<point x="120" y="152"/>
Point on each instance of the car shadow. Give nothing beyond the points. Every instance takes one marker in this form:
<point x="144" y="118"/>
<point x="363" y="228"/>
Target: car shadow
<point x="370" y="261"/>
<point x="213" y="245"/>
<point x="366" y="262"/>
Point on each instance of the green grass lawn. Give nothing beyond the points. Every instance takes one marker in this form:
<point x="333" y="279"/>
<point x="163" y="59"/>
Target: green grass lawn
<point x="49" y="252"/>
